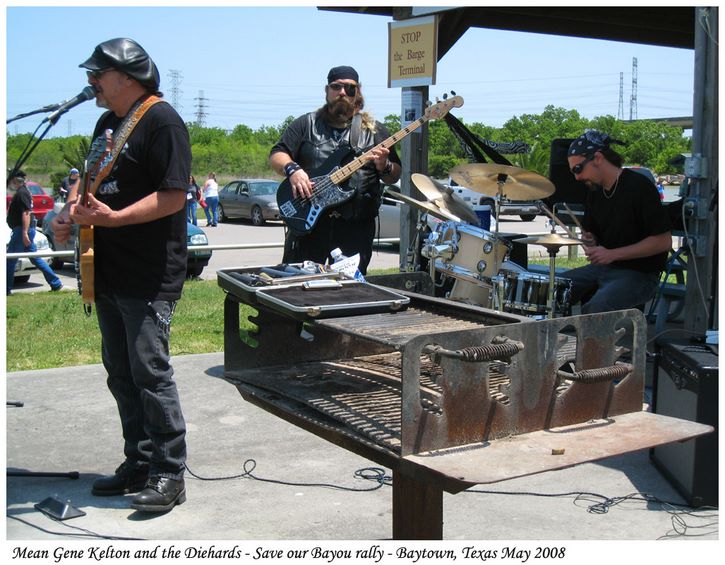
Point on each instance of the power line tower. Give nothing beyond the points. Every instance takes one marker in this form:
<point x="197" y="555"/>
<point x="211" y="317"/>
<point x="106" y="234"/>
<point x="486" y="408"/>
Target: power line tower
<point x="633" y="97"/>
<point x="200" y="109"/>
<point x="175" y="78"/>
<point x="70" y="127"/>
<point x="620" y="111"/>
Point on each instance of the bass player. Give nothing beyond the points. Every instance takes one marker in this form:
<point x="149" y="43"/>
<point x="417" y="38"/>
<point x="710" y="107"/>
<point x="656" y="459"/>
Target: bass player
<point x="308" y="142"/>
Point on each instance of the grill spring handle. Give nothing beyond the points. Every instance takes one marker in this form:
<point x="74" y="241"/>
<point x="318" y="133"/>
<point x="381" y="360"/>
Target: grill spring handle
<point x="589" y="376"/>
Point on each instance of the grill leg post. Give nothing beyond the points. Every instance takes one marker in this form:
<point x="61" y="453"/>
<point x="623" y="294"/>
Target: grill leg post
<point x="417" y="509"/>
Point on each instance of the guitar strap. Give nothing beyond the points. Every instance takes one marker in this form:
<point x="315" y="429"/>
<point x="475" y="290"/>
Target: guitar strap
<point x="120" y="137"/>
<point x="355" y="129"/>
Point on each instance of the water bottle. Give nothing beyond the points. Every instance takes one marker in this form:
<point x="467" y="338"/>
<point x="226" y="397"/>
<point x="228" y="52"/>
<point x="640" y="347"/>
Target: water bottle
<point x="346" y="265"/>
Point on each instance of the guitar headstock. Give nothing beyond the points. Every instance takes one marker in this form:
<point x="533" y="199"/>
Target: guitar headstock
<point x="441" y="108"/>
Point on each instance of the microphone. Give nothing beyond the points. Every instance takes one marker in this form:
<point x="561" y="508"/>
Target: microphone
<point x="86" y="94"/>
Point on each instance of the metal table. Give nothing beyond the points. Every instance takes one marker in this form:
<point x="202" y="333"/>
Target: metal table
<point x="449" y="395"/>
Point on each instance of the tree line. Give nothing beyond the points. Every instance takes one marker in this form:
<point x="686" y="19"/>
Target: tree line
<point x="243" y="151"/>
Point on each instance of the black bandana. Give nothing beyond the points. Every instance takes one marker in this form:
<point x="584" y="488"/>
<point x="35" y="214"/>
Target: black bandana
<point x="590" y="142"/>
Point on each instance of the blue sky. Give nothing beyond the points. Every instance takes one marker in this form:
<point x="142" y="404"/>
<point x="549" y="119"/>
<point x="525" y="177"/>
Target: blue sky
<point x="257" y="66"/>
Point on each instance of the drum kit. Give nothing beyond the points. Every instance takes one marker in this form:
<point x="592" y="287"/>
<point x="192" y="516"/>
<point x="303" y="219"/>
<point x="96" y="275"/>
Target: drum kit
<point x="471" y="264"/>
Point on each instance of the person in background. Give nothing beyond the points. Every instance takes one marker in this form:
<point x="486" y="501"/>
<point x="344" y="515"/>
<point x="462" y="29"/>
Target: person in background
<point x="307" y="143"/>
<point x="138" y="214"/>
<point x="626" y="225"/>
<point x="22" y="239"/>
<point x="192" y="198"/>
<point x="67" y="183"/>
<point x="211" y="197"/>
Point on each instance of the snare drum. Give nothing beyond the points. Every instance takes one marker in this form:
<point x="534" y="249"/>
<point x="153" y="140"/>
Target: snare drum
<point x="477" y="253"/>
<point x="528" y="293"/>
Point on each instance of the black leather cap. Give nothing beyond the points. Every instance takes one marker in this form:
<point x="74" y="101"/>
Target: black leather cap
<point x="126" y="56"/>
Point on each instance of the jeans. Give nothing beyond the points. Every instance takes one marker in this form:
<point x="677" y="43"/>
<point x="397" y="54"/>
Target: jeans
<point x="135" y="353"/>
<point x="16" y="246"/>
<point x="212" y="210"/>
<point x="191" y="210"/>
<point x="603" y="288"/>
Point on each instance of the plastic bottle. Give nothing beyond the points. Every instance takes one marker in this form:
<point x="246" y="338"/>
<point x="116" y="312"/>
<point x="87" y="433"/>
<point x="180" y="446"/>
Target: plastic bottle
<point x="346" y="265"/>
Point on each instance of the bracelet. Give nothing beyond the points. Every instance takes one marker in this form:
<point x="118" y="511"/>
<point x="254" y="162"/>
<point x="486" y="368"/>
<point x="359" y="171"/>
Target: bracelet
<point x="387" y="169"/>
<point x="290" y="168"/>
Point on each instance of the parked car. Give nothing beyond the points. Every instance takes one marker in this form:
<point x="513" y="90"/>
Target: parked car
<point x="42" y="201"/>
<point x="253" y="199"/>
<point x="24" y="268"/>
<point x="195" y="236"/>
<point x="525" y="209"/>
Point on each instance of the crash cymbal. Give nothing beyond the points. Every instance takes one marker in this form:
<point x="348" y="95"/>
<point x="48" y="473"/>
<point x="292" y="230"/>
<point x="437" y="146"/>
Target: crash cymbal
<point x="517" y="183"/>
<point x="444" y="197"/>
<point x="429" y="207"/>
<point x="549" y="240"/>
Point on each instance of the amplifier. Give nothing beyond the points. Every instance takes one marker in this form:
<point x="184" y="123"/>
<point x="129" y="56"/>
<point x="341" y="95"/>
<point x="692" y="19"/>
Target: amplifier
<point x="685" y="386"/>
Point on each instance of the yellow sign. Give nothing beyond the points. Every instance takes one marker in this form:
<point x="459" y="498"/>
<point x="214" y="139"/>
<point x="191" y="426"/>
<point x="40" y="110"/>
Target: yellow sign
<point x="412" y="52"/>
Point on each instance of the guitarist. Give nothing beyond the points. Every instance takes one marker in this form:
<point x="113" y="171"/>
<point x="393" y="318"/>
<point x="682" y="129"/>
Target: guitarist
<point x="139" y="224"/>
<point x="307" y="143"/>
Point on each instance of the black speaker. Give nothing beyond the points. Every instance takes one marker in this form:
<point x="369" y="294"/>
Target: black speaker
<point x="568" y="189"/>
<point x="685" y="387"/>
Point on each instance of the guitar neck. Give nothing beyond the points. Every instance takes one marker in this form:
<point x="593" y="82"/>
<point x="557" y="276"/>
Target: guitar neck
<point x="343" y="173"/>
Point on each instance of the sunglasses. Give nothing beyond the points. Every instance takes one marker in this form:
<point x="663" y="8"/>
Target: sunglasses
<point x="579" y="167"/>
<point x="350" y="89"/>
<point x="98" y="73"/>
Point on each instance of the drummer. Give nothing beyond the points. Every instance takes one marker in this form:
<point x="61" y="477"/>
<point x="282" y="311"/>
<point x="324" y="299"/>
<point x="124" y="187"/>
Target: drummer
<point x="627" y="225"/>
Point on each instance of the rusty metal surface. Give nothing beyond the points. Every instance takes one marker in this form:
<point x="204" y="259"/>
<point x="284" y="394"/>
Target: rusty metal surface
<point x="557" y="448"/>
<point x="377" y="384"/>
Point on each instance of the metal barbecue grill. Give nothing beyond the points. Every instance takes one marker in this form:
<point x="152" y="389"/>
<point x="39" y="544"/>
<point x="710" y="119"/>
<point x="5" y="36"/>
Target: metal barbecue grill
<point x="449" y="395"/>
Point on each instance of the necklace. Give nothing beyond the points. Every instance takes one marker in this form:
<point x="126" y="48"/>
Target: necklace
<point x="614" y="188"/>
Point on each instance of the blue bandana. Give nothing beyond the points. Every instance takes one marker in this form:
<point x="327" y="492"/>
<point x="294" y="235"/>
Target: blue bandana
<point x="590" y="142"/>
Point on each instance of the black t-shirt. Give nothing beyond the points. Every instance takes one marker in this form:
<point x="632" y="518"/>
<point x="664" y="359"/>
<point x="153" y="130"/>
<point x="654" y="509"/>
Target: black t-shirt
<point x="310" y="141"/>
<point x="145" y="260"/>
<point x="21" y="201"/>
<point x="633" y="213"/>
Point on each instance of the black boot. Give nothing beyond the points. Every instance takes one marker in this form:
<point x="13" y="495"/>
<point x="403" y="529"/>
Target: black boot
<point x="160" y="494"/>
<point x="127" y="478"/>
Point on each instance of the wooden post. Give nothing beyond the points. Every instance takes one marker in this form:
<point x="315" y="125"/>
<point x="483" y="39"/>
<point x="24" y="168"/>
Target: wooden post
<point x="417" y="509"/>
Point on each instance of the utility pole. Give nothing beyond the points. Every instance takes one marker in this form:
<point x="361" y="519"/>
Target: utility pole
<point x="70" y="127"/>
<point x="175" y="78"/>
<point x="633" y="97"/>
<point x="200" y="109"/>
<point x="620" y="111"/>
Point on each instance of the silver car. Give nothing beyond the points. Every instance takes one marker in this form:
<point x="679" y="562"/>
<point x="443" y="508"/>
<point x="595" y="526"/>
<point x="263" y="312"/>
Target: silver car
<point x="252" y="199"/>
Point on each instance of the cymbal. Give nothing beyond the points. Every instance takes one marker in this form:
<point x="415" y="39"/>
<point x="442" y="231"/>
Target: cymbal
<point x="444" y="198"/>
<point x="549" y="240"/>
<point x="425" y="206"/>
<point x="518" y="184"/>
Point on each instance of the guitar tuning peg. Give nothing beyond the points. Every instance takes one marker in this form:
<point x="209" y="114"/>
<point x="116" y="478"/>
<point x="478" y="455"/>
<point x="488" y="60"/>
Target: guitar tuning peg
<point x="453" y="92"/>
<point x="445" y="96"/>
<point x="428" y="104"/>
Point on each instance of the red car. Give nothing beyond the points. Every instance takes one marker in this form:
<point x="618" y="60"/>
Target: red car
<point x="42" y="201"/>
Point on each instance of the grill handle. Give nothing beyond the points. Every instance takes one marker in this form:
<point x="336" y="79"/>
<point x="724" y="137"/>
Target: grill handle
<point x="589" y="376"/>
<point x="500" y="349"/>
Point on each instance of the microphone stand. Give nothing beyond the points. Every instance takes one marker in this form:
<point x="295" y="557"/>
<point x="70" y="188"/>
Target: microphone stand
<point x="21" y="160"/>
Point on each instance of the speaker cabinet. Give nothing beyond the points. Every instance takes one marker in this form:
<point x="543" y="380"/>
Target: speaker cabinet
<point x="685" y="386"/>
<point x="568" y="189"/>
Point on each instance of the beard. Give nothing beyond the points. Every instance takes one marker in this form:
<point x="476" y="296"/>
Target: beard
<point x="339" y="111"/>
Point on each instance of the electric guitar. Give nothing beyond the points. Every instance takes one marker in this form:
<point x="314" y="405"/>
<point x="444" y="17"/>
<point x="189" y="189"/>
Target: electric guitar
<point x="98" y="158"/>
<point x="301" y="214"/>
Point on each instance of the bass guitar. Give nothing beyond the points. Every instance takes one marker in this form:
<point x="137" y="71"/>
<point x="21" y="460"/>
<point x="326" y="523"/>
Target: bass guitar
<point x="98" y="158"/>
<point x="301" y="214"/>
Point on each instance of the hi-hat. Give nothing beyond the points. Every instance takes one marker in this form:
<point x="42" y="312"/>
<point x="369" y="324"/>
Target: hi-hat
<point x="444" y="198"/>
<point x="425" y="206"/>
<point x="549" y="240"/>
<point x="514" y="182"/>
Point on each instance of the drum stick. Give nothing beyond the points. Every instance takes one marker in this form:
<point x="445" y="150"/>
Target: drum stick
<point x="572" y="216"/>
<point x="561" y="224"/>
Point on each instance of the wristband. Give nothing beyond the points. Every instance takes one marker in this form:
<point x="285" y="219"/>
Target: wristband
<point x="387" y="170"/>
<point x="290" y="168"/>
